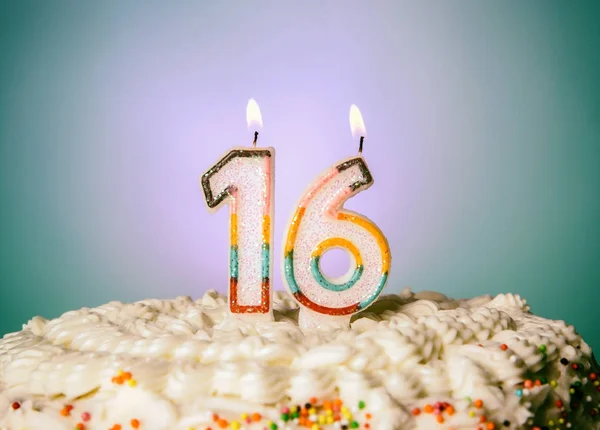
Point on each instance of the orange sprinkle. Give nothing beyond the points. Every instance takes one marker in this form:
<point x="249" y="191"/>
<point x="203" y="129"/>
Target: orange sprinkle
<point x="118" y="380"/>
<point x="126" y="376"/>
<point x="327" y="404"/>
<point x="256" y="417"/>
<point x="428" y="408"/>
<point x="504" y="347"/>
<point x="450" y="410"/>
<point x="80" y="426"/>
<point x="215" y="417"/>
<point x="65" y="412"/>
<point x="478" y="403"/>
<point x="313" y="401"/>
<point x="528" y="383"/>
<point x="222" y="423"/>
<point x="368" y="416"/>
<point x="135" y="423"/>
<point x="116" y="427"/>
<point x="416" y="411"/>
<point x="538" y="382"/>
<point x="482" y="419"/>
<point x="338" y="402"/>
<point x="367" y="425"/>
<point x="491" y="426"/>
<point x="440" y="419"/>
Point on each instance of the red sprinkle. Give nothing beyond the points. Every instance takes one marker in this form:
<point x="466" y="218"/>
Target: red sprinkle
<point x="16" y="405"/>
<point x="575" y="366"/>
<point x="559" y="403"/>
<point x="593" y="376"/>
<point x="504" y="347"/>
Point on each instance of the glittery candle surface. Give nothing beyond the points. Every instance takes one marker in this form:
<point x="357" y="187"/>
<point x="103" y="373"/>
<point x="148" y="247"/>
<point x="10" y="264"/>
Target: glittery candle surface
<point x="319" y="224"/>
<point x="243" y="179"/>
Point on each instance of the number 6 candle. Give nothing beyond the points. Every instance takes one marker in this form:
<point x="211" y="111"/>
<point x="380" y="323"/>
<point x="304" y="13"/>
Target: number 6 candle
<point x="319" y="224"/>
<point x="243" y="179"/>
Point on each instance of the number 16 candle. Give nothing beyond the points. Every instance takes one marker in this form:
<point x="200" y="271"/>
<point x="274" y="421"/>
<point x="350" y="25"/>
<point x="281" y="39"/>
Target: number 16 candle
<point x="243" y="179"/>
<point x="321" y="223"/>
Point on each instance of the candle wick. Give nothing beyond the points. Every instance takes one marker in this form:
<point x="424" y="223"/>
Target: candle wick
<point x="360" y="144"/>
<point x="255" y="138"/>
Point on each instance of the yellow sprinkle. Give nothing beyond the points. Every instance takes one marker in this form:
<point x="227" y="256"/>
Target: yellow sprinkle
<point x="329" y="419"/>
<point x="472" y="413"/>
<point x="235" y="425"/>
<point x="322" y="419"/>
<point x="244" y="416"/>
<point x="293" y="408"/>
<point x="596" y="383"/>
<point x="315" y="427"/>
<point x="551" y="423"/>
<point x="329" y="412"/>
<point x="191" y="428"/>
<point x="572" y="390"/>
<point x="561" y="420"/>
<point x="553" y="384"/>
<point x="344" y="409"/>
<point x="132" y="382"/>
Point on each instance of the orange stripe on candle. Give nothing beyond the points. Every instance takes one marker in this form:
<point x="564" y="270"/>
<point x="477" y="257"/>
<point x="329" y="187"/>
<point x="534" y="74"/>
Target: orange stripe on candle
<point x="293" y="231"/>
<point x="371" y="228"/>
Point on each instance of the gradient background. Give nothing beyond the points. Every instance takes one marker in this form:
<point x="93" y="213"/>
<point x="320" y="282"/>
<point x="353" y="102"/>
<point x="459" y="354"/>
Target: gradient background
<point x="483" y="124"/>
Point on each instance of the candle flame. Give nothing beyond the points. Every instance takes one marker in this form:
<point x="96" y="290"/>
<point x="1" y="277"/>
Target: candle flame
<point x="253" y="116"/>
<point x="357" y="125"/>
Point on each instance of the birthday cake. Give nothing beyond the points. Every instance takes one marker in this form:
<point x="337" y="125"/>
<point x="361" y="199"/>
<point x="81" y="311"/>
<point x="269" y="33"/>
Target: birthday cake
<point x="410" y="361"/>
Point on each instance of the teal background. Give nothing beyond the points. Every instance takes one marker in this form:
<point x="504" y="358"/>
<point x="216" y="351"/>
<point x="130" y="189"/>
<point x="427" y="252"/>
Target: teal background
<point x="483" y="124"/>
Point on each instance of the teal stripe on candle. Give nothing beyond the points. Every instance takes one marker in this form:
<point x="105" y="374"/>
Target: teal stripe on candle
<point x="369" y="300"/>
<point x="288" y="267"/>
<point x="266" y="260"/>
<point x="323" y="282"/>
<point x="233" y="262"/>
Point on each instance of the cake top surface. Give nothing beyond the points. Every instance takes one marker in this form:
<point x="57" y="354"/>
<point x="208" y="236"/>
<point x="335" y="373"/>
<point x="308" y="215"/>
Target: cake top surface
<point x="409" y="361"/>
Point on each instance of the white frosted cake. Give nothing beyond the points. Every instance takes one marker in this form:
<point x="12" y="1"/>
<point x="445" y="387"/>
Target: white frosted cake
<point x="411" y="361"/>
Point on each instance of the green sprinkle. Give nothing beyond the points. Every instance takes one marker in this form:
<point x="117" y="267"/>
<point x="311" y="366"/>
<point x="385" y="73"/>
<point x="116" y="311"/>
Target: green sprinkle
<point x="354" y="425"/>
<point x="543" y="380"/>
<point x="296" y="414"/>
<point x="542" y="348"/>
<point x="273" y="426"/>
<point x="361" y="405"/>
<point x="285" y="417"/>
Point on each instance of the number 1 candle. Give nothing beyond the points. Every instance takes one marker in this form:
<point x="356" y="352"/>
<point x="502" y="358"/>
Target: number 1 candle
<point x="321" y="223"/>
<point x="243" y="179"/>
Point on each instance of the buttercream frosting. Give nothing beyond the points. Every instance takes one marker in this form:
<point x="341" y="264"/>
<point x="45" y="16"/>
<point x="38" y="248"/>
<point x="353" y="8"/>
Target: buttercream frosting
<point x="410" y="361"/>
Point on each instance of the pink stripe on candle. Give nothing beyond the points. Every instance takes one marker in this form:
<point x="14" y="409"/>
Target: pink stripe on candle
<point x="339" y="198"/>
<point x="316" y="185"/>
<point x="267" y="205"/>
<point x="233" y="205"/>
